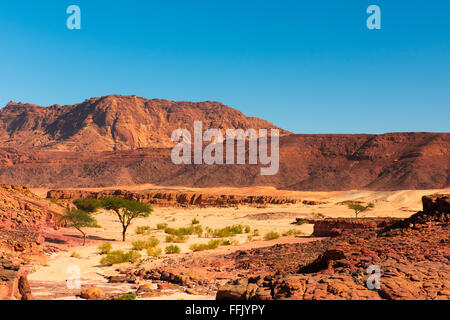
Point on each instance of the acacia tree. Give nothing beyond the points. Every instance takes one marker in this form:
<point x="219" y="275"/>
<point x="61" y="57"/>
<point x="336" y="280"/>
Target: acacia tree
<point x="126" y="210"/>
<point x="79" y="219"/>
<point x="358" y="208"/>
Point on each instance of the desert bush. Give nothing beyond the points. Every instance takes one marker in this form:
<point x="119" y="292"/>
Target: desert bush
<point x="195" y="221"/>
<point x="127" y="296"/>
<point x="75" y="255"/>
<point x="176" y="238"/>
<point x="256" y="233"/>
<point x="143" y="230"/>
<point x="173" y="249"/>
<point x="228" y="242"/>
<point x="292" y="232"/>
<point x="247" y="229"/>
<point x="105" y="248"/>
<point x="301" y="222"/>
<point x="118" y="256"/>
<point x="226" y="232"/>
<point x="194" y="229"/>
<point x="161" y="226"/>
<point x="154" y="252"/>
<point x="145" y="244"/>
<point x="271" y="235"/>
<point x="213" y="244"/>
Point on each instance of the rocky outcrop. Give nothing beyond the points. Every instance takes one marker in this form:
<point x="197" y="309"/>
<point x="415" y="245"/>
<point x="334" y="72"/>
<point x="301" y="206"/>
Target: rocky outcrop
<point x="23" y="216"/>
<point x="13" y="282"/>
<point x="173" y="199"/>
<point x="413" y="260"/>
<point x="332" y="227"/>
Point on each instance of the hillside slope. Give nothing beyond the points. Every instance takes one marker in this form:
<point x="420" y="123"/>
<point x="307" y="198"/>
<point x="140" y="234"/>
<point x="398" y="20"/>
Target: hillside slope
<point x="113" y="123"/>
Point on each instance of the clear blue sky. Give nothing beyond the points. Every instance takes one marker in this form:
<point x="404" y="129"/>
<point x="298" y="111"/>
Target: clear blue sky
<point x="307" y="66"/>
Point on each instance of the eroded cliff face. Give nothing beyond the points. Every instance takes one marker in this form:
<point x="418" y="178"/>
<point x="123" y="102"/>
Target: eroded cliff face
<point x="173" y="199"/>
<point x="23" y="217"/>
<point x="307" y="162"/>
<point x="123" y="140"/>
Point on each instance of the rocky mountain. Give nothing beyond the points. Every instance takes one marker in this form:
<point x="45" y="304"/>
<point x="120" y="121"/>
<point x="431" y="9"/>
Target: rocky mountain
<point x="118" y="140"/>
<point x="307" y="162"/>
<point x="113" y="123"/>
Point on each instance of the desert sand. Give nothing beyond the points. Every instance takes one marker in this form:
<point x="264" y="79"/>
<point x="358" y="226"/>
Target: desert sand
<point x="49" y="281"/>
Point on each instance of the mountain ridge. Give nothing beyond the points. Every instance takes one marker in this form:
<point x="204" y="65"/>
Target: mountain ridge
<point x="114" y="122"/>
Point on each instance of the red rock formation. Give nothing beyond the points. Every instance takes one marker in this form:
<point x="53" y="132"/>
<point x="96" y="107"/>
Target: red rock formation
<point x="332" y="227"/>
<point x="118" y="140"/>
<point x="307" y="162"/>
<point x="412" y="257"/>
<point x="161" y="198"/>
<point x="113" y="123"/>
<point x="23" y="215"/>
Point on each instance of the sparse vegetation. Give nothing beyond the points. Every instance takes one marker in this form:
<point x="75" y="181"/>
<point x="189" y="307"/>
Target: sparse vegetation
<point x="75" y="255"/>
<point x="195" y="221"/>
<point x="225" y="232"/>
<point x="194" y="229"/>
<point x="173" y="249"/>
<point x="179" y="238"/>
<point x="127" y="296"/>
<point x="271" y="235"/>
<point x="161" y="226"/>
<point x="212" y="244"/>
<point x="228" y="242"/>
<point x="105" y="248"/>
<point x="154" y="252"/>
<point x="145" y="244"/>
<point x="301" y="222"/>
<point x="292" y="232"/>
<point x="358" y="208"/>
<point x="119" y="256"/>
<point x="143" y="230"/>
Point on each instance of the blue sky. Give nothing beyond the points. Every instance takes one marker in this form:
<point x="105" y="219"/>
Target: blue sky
<point x="306" y="66"/>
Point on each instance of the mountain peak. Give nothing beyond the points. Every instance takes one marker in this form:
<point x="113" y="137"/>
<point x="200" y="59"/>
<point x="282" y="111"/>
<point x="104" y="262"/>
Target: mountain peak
<point x="115" y="122"/>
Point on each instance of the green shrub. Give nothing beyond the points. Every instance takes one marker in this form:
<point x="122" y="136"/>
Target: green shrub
<point x="226" y="232"/>
<point x="105" y="248"/>
<point x="118" y="256"/>
<point x="292" y="232"/>
<point x="195" y="221"/>
<point x="256" y="233"/>
<point x="75" y="255"/>
<point x="143" y="230"/>
<point x="247" y="229"/>
<point x="154" y="252"/>
<point x="228" y="242"/>
<point x="194" y="229"/>
<point x="271" y="235"/>
<point x="302" y="221"/>
<point x="142" y="244"/>
<point x="173" y="249"/>
<point x="213" y="244"/>
<point x="127" y="296"/>
<point x="176" y="238"/>
<point x="161" y="226"/>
